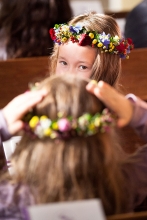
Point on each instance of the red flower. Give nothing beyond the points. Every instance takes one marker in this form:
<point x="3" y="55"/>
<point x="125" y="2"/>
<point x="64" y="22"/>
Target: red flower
<point x="73" y="39"/>
<point x="85" y="40"/>
<point x="129" y="40"/>
<point x="121" y="47"/>
<point x="52" y="33"/>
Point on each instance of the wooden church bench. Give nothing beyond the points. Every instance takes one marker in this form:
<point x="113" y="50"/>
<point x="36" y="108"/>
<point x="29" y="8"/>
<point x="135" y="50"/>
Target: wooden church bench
<point x="15" y="74"/>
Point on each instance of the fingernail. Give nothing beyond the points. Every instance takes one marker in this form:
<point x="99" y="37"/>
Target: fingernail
<point x="94" y="82"/>
<point x="100" y="83"/>
<point x="91" y="84"/>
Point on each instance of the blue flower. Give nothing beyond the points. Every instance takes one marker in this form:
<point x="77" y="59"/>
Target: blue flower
<point x="75" y="29"/>
<point x="105" y="39"/>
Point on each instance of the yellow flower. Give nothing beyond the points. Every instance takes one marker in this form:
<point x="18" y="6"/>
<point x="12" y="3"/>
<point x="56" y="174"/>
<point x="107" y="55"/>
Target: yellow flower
<point x="91" y="126"/>
<point x="94" y="41"/>
<point x="110" y="50"/>
<point x="100" y="44"/>
<point x="34" y="121"/>
<point x="110" y="45"/>
<point x="47" y="132"/>
<point x="64" y="39"/>
<point x="43" y="117"/>
<point x="55" y="126"/>
<point x="60" y="114"/>
<point x="53" y="135"/>
<point x="91" y="35"/>
<point x="97" y="122"/>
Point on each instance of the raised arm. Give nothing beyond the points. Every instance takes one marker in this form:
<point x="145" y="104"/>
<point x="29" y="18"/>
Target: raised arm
<point x="12" y="113"/>
<point x="130" y="109"/>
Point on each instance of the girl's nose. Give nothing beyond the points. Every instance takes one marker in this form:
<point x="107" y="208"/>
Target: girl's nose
<point x="72" y="70"/>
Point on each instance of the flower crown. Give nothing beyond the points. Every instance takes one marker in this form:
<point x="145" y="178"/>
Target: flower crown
<point x="65" y="127"/>
<point x="61" y="33"/>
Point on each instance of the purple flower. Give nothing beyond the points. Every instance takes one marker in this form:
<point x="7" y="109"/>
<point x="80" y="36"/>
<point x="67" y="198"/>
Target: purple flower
<point x="75" y="29"/>
<point x="64" y="125"/>
<point x="105" y="39"/>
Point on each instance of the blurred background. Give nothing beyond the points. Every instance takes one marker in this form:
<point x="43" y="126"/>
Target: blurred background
<point x="24" y="24"/>
<point x="118" y="8"/>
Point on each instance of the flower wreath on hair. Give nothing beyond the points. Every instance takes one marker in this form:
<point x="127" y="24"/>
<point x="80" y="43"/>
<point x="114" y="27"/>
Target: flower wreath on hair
<point x="61" y="33"/>
<point x="66" y="127"/>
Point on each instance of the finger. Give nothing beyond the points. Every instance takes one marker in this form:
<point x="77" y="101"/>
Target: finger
<point x="30" y="95"/>
<point x="14" y="128"/>
<point x="121" y="122"/>
<point x="91" y="85"/>
<point x="23" y="103"/>
<point x="30" y="102"/>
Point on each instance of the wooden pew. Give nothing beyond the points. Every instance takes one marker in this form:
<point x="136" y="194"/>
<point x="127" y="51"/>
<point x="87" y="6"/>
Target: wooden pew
<point x="134" y="73"/>
<point x="15" y="74"/>
<point x="134" y="80"/>
<point x="129" y="216"/>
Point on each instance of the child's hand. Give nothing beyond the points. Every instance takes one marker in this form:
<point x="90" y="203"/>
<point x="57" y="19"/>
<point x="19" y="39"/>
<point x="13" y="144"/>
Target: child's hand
<point x="113" y="100"/>
<point x="18" y="107"/>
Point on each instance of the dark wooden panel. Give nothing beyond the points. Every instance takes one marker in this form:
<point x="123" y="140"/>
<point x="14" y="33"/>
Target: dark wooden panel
<point x="129" y="216"/>
<point x="134" y="80"/>
<point x="134" y="73"/>
<point x="15" y="75"/>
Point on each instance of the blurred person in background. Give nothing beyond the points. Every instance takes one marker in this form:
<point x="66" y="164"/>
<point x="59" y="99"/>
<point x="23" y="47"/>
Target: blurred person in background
<point x="136" y="25"/>
<point x="24" y="26"/>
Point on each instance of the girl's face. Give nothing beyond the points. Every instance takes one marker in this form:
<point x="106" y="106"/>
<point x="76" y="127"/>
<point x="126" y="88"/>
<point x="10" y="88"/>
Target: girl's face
<point x="75" y="59"/>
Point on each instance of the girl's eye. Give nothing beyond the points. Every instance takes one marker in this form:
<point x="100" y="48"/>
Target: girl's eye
<point x="63" y="63"/>
<point x="83" y="67"/>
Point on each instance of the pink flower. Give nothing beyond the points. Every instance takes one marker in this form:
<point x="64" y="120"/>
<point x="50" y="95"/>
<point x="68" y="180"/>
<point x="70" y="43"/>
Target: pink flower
<point x="64" y="125"/>
<point x="85" y="40"/>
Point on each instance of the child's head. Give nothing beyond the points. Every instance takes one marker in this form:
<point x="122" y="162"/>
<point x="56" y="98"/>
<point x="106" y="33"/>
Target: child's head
<point x="75" y="166"/>
<point x="86" y="60"/>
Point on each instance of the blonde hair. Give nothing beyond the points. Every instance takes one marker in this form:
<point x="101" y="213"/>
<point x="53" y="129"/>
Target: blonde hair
<point x="107" y="67"/>
<point x="76" y="168"/>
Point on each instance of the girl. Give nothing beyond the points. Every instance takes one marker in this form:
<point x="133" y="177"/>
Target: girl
<point x="90" y="46"/>
<point x="69" y="151"/>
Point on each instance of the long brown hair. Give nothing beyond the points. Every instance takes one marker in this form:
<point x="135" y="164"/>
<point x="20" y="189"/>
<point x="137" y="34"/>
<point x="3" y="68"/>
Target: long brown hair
<point x="26" y="24"/>
<point x="76" y="168"/>
<point x="107" y="67"/>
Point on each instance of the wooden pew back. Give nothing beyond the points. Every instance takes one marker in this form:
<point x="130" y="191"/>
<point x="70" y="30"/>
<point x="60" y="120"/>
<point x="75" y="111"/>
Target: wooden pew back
<point x="134" y="80"/>
<point x="129" y="216"/>
<point x="134" y="73"/>
<point x="15" y="74"/>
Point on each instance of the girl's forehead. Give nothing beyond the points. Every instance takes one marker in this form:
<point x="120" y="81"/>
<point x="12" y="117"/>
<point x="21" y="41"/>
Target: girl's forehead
<point x="76" y="50"/>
